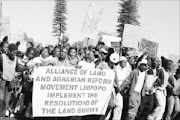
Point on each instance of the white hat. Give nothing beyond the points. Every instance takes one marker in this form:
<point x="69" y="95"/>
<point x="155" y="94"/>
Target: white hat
<point x="103" y="50"/>
<point x="122" y="58"/>
<point x="22" y="48"/>
<point x="143" y="61"/>
<point x="114" y="58"/>
<point x="44" y="45"/>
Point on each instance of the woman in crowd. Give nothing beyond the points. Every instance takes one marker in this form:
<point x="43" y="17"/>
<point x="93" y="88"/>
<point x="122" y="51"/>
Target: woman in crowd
<point x="101" y="63"/>
<point x="88" y="61"/>
<point x="29" y="44"/>
<point x="56" y="52"/>
<point x="81" y="54"/>
<point x="4" y="46"/>
<point x="62" y="60"/>
<point x="45" y="58"/>
<point x="73" y="60"/>
<point x="31" y="53"/>
<point x="8" y="67"/>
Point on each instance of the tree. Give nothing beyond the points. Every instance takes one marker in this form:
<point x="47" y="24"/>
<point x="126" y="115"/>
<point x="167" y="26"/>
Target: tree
<point x="128" y="14"/>
<point x="59" y="24"/>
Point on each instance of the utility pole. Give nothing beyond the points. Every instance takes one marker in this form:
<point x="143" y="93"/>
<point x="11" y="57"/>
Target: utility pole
<point x="0" y="9"/>
<point x="0" y="16"/>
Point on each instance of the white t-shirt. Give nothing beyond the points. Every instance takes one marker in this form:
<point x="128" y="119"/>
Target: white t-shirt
<point x="86" y="65"/>
<point x="8" y="68"/>
<point x="121" y="73"/>
<point x="140" y="81"/>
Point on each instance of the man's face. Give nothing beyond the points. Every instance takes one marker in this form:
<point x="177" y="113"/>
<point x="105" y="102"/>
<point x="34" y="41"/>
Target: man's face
<point x="123" y="63"/>
<point x="12" y="54"/>
<point x="131" y="60"/>
<point x="63" y="53"/>
<point x="142" y="67"/>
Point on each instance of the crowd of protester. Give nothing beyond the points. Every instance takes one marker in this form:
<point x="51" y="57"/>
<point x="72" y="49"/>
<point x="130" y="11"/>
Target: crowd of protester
<point x="145" y="88"/>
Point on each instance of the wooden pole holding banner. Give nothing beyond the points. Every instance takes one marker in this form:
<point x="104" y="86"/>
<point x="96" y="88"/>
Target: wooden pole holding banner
<point x="87" y="42"/>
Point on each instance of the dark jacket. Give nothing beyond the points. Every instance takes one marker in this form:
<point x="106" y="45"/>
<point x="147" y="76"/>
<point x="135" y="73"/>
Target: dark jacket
<point x="131" y="82"/>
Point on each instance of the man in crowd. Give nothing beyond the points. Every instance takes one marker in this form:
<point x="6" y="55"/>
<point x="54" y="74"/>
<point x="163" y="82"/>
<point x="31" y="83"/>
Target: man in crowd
<point x="147" y="101"/>
<point x="135" y="82"/>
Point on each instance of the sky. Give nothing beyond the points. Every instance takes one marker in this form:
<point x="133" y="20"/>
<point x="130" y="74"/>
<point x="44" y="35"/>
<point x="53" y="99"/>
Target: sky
<point x="159" y="20"/>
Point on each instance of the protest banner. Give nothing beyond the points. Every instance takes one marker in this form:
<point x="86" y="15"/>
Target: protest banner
<point x="92" y="19"/>
<point x="148" y="46"/>
<point x="112" y="41"/>
<point x="4" y="26"/>
<point x="131" y="36"/>
<point x="66" y="91"/>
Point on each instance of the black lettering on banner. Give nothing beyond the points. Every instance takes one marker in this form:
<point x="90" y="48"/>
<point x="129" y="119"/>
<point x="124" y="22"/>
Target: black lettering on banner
<point x="66" y="95"/>
<point x="87" y="110"/>
<point x="92" y="87"/>
<point x="43" y="79"/>
<point x="61" y="71"/>
<point x="83" y="72"/>
<point x="58" y="87"/>
<point x="48" y="71"/>
<point x="97" y="73"/>
<point x="49" y="110"/>
<point x="94" y="102"/>
<point x="66" y="110"/>
<point x="99" y="80"/>
<point x="67" y="103"/>
<point x="92" y="95"/>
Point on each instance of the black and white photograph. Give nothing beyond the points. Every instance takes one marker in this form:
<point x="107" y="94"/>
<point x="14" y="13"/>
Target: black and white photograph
<point x="89" y="59"/>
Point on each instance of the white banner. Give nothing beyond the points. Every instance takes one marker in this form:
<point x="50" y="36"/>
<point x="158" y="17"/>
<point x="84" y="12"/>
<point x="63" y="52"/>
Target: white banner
<point x="131" y="36"/>
<point x="92" y="19"/>
<point x="4" y="26"/>
<point x="64" y="91"/>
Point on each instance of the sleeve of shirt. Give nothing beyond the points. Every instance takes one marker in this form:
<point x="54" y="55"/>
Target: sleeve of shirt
<point x="160" y="79"/>
<point x="127" y="81"/>
<point x="99" y="66"/>
<point x="80" y="63"/>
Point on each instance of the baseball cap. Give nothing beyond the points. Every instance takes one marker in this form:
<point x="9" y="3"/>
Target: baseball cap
<point x="143" y="61"/>
<point x="122" y="58"/>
